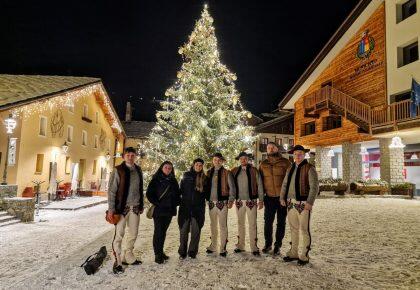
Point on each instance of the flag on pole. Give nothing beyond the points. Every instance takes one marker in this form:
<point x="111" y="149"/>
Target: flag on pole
<point x="415" y="98"/>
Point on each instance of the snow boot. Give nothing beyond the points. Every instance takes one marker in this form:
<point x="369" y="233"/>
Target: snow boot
<point x="224" y="254"/>
<point x="209" y="251"/>
<point x="117" y="269"/>
<point x="165" y="257"/>
<point x="256" y="253"/>
<point x="276" y="251"/>
<point x="289" y="259"/>
<point x="159" y="259"/>
<point x="136" y="262"/>
<point x="302" y="263"/>
<point x="266" y="250"/>
<point x="238" y="250"/>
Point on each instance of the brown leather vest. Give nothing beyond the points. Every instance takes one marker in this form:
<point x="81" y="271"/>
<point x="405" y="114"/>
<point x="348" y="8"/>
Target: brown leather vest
<point x="252" y="173"/>
<point x="222" y="182"/>
<point x="122" y="191"/>
<point x="301" y="181"/>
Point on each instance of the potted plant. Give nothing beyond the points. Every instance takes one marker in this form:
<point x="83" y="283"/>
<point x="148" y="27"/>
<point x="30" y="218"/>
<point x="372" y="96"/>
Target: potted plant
<point x="369" y="186"/>
<point x="404" y="188"/>
<point x="333" y="184"/>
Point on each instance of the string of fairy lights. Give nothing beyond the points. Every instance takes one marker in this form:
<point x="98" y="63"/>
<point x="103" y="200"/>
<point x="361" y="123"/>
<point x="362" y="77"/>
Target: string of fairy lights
<point x="67" y="100"/>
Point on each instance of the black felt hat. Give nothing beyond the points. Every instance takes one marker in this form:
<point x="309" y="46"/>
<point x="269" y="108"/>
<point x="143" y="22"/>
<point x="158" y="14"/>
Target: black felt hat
<point x="242" y="154"/>
<point x="298" y="147"/>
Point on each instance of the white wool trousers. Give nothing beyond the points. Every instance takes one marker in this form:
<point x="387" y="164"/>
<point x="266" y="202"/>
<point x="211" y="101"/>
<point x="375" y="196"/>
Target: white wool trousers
<point x="218" y="222"/>
<point x="244" y="212"/>
<point x="125" y="253"/>
<point x="300" y="233"/>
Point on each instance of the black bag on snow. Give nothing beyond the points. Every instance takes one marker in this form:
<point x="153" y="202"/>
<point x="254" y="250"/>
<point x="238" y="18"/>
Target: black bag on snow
<point x="93" y="262"/>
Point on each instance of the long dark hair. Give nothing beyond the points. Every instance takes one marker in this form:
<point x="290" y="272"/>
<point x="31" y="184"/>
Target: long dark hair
<point x="159" y="172"/>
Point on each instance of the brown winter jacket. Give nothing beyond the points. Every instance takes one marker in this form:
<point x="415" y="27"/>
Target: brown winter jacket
<point x="273" y="170"/>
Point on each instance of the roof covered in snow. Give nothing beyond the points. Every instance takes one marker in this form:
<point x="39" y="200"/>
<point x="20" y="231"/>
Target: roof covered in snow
<point x="20" y="89"/>
<point x="138" y="129"/>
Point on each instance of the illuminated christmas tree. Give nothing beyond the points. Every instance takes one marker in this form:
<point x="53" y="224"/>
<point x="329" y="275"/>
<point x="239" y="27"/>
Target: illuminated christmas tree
<point x="202" y="113"/>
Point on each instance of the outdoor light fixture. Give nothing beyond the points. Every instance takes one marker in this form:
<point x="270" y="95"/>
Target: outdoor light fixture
<point x="65" y="147"/>
<point x="10" y="124"/>
<point x="363" y="151"/>
<point x="331" y="153"/>
<point x="396" y="142"/>
<point x="307" y="156"/>
<point x="414" y="157"/>
<point x="107" y="156"/>
<point x="286" y="146"/>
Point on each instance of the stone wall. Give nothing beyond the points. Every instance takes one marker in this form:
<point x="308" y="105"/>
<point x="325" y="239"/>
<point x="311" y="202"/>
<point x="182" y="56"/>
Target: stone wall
<point x="323" y="162"/>
<point x="392" y="162"/>
<point x="8" y="190"/>
<point x="21" y="207"/>
<point x="352" y="162"/>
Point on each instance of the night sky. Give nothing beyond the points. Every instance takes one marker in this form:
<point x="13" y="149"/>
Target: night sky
<point x="132" y="45"/>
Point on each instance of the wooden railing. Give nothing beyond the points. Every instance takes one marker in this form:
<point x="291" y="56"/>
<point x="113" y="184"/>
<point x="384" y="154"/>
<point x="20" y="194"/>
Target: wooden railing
<point x="394" y="113"/>
<point x="372" y="117"/>
<point x="344" y="101"/>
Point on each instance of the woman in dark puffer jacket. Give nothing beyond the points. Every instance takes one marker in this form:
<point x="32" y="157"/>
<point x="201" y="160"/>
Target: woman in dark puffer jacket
<point x="163" y="192"/>
<point x="192" y="209"/>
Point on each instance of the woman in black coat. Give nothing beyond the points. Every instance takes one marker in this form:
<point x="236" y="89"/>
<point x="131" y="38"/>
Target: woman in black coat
<point x="192" y="209"/>
<point x="163" y="192"/>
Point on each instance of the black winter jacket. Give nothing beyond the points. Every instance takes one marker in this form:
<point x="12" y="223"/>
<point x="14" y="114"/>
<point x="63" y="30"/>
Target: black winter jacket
<point x="193" y="202"/>
<point x="167" y="205"/>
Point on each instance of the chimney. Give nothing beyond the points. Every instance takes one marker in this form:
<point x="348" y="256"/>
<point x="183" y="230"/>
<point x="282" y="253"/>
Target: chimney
<point x="128" y="112"/>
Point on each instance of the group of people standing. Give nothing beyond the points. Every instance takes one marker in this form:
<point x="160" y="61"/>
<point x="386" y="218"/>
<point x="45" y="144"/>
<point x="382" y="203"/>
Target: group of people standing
<point x="285" y="189"/>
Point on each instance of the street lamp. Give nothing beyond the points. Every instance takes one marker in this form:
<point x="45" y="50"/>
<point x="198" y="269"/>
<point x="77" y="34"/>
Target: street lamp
<point x="65" y="148"/>
<point x="10" y="124"/>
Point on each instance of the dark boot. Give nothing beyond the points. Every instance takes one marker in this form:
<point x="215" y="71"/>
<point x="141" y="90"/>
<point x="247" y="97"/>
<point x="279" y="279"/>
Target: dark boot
<point x="192" y="255"/>
<point x="224" y="254"/>
<point x="266" y="250"/>
<point x="136" y="262"/>
<point x="256" y="253"/>
<point x="159" y="259"/>
<point x="209" y="251"/>
<point x="182" y="257"/>
<point x="117" y="269"/>
<point x="276" y="250"/>
<point x="238" y="250"/>
<point x="289" y="259"/>
<point x="165" y="257"/>
<point x="302" y="263"/>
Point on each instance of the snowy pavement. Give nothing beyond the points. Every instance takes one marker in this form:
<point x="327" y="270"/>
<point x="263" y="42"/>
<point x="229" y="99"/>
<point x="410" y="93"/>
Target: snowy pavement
<point x="75" y="203"/>
<point x="357" y="244"/>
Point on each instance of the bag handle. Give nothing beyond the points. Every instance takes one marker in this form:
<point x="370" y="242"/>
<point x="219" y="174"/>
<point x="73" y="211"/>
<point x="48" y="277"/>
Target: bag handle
<point x="166" y="190"/>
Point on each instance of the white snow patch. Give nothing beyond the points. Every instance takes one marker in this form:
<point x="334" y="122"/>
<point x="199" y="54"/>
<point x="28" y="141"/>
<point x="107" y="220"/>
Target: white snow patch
<point x="356" y="244"/>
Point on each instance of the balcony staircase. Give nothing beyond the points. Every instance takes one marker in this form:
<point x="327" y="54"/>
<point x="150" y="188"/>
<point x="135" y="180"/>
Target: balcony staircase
<point x="340" y="104"/>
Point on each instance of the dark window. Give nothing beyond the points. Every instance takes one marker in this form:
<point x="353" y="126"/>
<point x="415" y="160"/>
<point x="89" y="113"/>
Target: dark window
<point x="401" y="97"/>
<point x="410" y="53"/>
<point x="408" y="8"/>
<point x="279" y="141"/>
<point x="308" y="128"/>
<point x="331" y="122"/>
<point x="263" y="144"/>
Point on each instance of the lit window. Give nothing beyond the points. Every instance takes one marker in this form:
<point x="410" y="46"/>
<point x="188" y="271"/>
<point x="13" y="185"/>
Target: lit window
<point x="85" y="111"/>
<point x="39" y="163"/>
<point x="69" y="133"/>
<point x="67" y="167"/>
<point x="43" y="126"/>
<point x="94" y="167"/>
<point x="95" y="142"/>
<point x="84" y="138"/>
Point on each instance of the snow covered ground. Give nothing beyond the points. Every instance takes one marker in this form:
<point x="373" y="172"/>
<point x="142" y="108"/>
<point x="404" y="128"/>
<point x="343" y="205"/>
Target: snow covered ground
<point x="361" y="243"/>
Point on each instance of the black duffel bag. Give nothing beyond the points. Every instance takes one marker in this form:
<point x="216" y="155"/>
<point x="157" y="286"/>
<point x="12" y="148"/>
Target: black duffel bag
<point x="94" y="262"/>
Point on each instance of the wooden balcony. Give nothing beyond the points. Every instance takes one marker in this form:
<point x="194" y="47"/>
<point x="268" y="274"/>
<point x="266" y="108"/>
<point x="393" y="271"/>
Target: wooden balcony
<point x="395" y="116"/>
<point x="371" y="120"/>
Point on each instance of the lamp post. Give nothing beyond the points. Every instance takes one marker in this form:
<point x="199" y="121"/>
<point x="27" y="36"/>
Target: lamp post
<point x="10" y="124"/>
